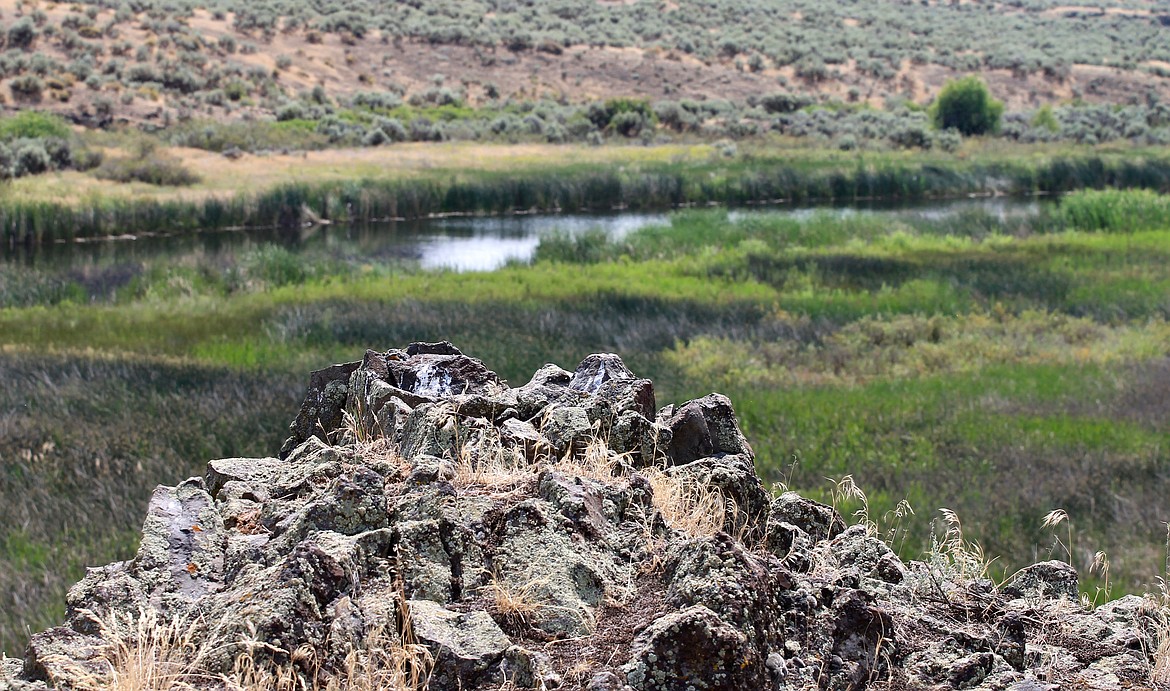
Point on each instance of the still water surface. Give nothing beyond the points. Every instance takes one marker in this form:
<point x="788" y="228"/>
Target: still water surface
<point x="458" y="244"/>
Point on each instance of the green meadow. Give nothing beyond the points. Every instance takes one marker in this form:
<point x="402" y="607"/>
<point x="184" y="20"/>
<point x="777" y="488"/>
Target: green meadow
<point x="1001" y="367"/>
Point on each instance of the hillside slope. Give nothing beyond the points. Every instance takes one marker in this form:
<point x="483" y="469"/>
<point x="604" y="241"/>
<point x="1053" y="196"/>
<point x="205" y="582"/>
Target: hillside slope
<point x="161" y="62"/>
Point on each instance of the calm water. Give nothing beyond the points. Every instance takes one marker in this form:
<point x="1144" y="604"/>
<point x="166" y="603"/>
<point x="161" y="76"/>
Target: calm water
<point x="459" y="244"/>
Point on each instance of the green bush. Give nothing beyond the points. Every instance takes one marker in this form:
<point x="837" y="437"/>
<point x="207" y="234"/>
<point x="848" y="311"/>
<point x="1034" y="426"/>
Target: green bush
<point x="147" y="165"/>
<point x="30" y="124"/>
<point x="967" y="106"/>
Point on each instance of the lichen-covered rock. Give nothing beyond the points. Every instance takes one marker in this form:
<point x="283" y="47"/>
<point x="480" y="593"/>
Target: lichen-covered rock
<point x="817" y="520"/>
<point x="694" y="649"/>
<point x="734" y="476"/>
<point x="321" y="413"/>
<point x="743" y="588"/>
<point x="1048" y="579"/>
<point x="466" y="645"/>
<point x="703" y="427"/>
<point x="859" y="550"/>
<point x="515" y="534"/>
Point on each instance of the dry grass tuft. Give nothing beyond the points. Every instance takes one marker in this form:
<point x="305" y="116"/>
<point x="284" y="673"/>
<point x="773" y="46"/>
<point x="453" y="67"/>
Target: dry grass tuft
<point x="963" y="559"/>
<point x="146" y="653"/>
<point x="515" y="603"/>
<point x="384" y="663"/>
<point x="1160" y="605"/>
<point x="693" y="508"/>
<point x="596" y="461"/>
<point x="152" y="653"/>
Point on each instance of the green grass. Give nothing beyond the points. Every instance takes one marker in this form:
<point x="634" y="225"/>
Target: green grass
<point x="770" y="176"/>
<point x="998" y="367"/>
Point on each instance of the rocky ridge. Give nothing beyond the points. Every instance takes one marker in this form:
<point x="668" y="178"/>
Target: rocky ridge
<point x="425" y="525"/>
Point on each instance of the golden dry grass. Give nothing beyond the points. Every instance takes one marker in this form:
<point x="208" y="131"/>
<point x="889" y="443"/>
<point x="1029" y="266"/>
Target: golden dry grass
<point x="688" y="506"/>
<point x="149" y="652"/>
<point x="253" y="173"/>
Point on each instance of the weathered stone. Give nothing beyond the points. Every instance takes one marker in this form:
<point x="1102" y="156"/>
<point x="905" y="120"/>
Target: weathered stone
<point x="59" y="655"/>
<point x="734" y="476"/>
<point x="426" y="566"/>
<point x="817" y="520"/>
<point x="606" y="681"/>
<point x="790" y="543"/>
<point x="598" y="369"/>
<point x="578" y="499"/>
<point x="522" y="437"/>
<point x="426" y="469"/>
<point x="566" y="428"/>
<point x="261" y="472"/>
<point x="871" y="557"/>
<point x="430" y="429"/>
<point x="465" y="645"/>
<point x="321" y="411"/>
<point x="545" y="560"/>
<point x="645" y="441"/>
<point x="971" y="670"/>
<point x="743" y="589"/>
<point x="549" y="385"/>
<point x="182" y="547"/>
<point x="863" y="637"/>
<point x="693" y="649"/>
<point x="443" y="375"/>
<point x="322" y="549"/>
<point x="1048" y="579"/>
<point x="704" y="427"/>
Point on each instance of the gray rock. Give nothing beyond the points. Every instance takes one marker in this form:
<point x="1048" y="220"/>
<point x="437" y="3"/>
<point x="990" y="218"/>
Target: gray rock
<point x="817" y="520"/>
<point x="633" y="434"/>
<point x="704" y="427"/>
<point x="522" y="437"/>
<point x="465" y="645"/>
<point x="321" y="412"/>
<point x="736" y="479"/>
<point x="59" y="655"/>
<point x="790" y="543"/>
<point x="549" y="385"/>
<point x="605" y="681"/>
<point x="693" y="649"/>
<point x="182" y="548"/>
<point x="970" y="671"/>
<point x="545" y="562"/>
<point x="743" y="589"/>
<point x="566" y="428"/>
<point x="341" y="537"/>
<point x="872" y="558"/>
<point x="599" y="369"/>
<point x="429" y="430"/>
<point x="1046" y="580"/>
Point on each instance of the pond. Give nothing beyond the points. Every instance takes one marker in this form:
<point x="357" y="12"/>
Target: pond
<point x="469" y="243"/>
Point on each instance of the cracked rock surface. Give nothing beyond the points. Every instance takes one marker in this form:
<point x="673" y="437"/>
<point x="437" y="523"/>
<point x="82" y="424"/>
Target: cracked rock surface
<point x="554" y="536"/>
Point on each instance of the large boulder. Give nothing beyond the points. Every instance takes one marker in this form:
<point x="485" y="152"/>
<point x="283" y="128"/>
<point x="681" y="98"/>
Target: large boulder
<point x="425" y="519"/>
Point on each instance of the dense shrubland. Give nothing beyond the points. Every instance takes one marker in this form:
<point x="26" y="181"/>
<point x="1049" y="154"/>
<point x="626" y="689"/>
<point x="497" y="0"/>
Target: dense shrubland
<point x="902" y="125"/>
<point x="161" y="65"/>
<point x="32" y="143"/>
<point x="1028" y="36"/>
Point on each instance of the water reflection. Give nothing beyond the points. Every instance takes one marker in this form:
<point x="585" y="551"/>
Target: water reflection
<point x="459" y="243"/>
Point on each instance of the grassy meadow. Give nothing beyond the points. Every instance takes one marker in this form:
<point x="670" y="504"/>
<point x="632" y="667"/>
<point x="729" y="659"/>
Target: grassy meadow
<point x="1001" y="367"/>
<point x="420" y="180"/>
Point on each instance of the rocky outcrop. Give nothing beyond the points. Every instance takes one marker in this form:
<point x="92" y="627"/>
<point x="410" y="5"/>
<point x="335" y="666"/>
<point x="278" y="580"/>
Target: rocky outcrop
<point x="427" y="525"/>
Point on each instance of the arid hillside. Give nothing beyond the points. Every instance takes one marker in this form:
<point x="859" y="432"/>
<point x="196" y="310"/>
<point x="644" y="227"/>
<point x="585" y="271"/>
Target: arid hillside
<point x="99" y="62"/>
